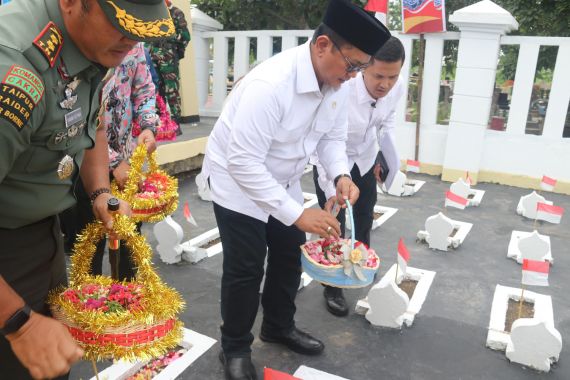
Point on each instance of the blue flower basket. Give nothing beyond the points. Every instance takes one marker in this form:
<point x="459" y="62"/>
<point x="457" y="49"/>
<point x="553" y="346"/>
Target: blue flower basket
<point x="333" y="275"/>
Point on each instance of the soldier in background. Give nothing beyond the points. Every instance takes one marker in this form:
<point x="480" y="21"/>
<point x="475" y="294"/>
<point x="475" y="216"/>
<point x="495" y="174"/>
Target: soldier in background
<point x="166" y="56"/>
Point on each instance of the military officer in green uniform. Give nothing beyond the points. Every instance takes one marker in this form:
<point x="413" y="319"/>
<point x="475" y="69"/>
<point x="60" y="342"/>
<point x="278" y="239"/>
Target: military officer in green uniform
<point x="53" y="56"/>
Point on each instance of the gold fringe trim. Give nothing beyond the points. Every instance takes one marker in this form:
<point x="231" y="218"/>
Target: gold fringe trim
<point x="166" y="204"/>
<point x="159" y="302"/>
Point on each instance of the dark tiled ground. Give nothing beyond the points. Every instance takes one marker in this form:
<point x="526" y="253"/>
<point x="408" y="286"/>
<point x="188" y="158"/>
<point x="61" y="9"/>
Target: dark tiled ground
<point x="447" y="339"/>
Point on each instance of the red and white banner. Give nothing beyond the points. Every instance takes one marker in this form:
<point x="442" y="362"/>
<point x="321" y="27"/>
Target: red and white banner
<point x="380" y="7"/>
<point x="535" y="273"/>
<point x="271" y="374"/>
<point x="454" y="200"/>
<point x="549" y="213"/>
<point x="413" y="166"/>
<point x="547" y="183"/>
<point x="403" y="256"/>
<point x="188" y="215"/>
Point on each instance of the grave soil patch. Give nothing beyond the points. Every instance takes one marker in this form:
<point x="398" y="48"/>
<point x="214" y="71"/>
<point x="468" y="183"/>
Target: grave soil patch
<point x="513" y="312"/>
<point x="408" y="286"/>
<point x="211" y="243"/>
<point x="378" y="215"/>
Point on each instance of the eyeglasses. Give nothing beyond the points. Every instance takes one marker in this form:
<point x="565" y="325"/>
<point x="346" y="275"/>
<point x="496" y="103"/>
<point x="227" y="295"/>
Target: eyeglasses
<point x="352" y="68"/>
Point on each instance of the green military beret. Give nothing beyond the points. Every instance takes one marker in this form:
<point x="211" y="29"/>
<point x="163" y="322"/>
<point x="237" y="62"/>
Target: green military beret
<point x="139" y="20"/>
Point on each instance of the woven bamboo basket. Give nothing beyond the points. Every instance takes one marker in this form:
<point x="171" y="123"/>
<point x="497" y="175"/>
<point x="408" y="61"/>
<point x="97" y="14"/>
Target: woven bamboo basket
<point x="150" y="206"/>
<point x="333" y="275"/>
<point x="148" y="331"/>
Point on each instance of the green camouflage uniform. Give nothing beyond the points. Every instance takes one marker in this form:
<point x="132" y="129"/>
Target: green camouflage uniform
<point x="48" y="111"/>
<point x="166" y="56"/>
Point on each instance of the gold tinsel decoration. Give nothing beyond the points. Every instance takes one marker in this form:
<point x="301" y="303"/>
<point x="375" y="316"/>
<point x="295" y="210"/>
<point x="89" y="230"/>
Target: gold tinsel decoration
<point x="149" y="210"/>
<point x="159" y="302"/>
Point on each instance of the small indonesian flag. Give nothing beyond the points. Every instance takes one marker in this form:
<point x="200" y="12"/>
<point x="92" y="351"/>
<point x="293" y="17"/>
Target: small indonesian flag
<point x="271" y="374"/>
<point x="188" y="215"/>
<point x="454" y="200"/>
<point x="413" y="166"/>
<point x="468" y="178"/>
<point x="378" y="6"/>
<point x="535" y="273"/>
<point x="547" y="183"/>
<point x="549" y="213"/>
<point x="403" y="256"/>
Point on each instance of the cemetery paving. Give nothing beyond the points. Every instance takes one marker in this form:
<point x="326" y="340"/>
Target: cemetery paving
<point x="447" y="339"/>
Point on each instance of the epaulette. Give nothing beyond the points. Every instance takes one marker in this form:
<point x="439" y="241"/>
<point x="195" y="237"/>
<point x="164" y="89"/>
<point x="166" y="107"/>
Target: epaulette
<point x="49" y="42"/>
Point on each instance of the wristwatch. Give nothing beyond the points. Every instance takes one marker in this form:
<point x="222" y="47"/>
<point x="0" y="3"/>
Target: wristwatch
<point x="16" y="321"/>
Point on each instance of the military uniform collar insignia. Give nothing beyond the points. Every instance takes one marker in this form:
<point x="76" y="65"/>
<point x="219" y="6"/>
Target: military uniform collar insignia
<point x="49" y="42"/>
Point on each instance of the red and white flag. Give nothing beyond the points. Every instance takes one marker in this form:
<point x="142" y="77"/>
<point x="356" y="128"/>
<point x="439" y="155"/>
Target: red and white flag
<point x="188" y="215"/>
<point x="535" y="273"/>
<point x="271" y="374"/>
<point x="380" y="7"/>
<point x="413" y="166"/>
<point x="403" y="256"/>
<point x="454" y="200"/>
<point x="549" y="213"/>
<point x="547" y="183"/>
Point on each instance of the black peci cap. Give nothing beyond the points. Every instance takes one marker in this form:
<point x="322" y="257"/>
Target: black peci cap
<point x="356" y="26"/>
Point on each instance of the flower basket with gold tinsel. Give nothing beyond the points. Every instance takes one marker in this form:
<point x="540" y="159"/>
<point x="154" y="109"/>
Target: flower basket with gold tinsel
<point x="153" y="194"/>
<point x="112" y="319"/>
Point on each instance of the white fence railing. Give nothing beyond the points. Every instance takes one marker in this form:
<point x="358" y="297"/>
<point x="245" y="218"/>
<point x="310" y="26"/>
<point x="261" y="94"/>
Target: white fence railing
<point x="508" y="152"/>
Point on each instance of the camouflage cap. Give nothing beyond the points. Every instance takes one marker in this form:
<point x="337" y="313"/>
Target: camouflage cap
<point x="139" y="20"/>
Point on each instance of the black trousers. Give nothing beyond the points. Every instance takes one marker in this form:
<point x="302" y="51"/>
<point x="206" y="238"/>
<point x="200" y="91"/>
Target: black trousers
<point x="76" y="218"/>
<point x="32" y="262"/>
<point x="245" y="242"/>
<point x="363" y="209"/>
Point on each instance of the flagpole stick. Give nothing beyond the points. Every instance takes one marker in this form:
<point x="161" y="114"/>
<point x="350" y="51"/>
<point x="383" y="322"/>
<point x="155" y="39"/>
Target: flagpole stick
<point x="521" y="302"/>
<point x="95" y="368"/>
<point x="397" y="266"/>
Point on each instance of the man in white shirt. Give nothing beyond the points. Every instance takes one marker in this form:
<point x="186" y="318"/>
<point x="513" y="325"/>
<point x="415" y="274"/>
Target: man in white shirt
<point x="283" y="110"/>
<point x="374" y="95"/>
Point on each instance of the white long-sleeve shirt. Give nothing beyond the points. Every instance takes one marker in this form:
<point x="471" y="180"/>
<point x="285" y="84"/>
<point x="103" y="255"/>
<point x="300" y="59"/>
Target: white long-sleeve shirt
<point x="369" y="128"/>
<point x="276" y="117"/>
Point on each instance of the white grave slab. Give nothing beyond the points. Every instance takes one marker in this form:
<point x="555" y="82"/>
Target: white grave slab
<point x="463" y="189"/>
<point x="308" y="373"/>
<point x="438" y="229"/>
<point x="305" y="280"/>
<point x="194" y="250"/>
<point x="497" y="337"/>
<point x="536" y="343"/>
<point x="529" y="245"/>
<point x="387" y="213"/>
<point x="389" y="306"/>
<point x="203" y="188"/>
<point x="310" y="200"/>
<point x="197" y="344"/>
<point x="169" y="234"/>
<point x="402" y="186"/>
<point x="527" y="204"/>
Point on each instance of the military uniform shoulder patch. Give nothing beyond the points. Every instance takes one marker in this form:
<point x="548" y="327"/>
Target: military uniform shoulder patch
<point x="49" y="42"/>
<point x="20" y="91"/>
